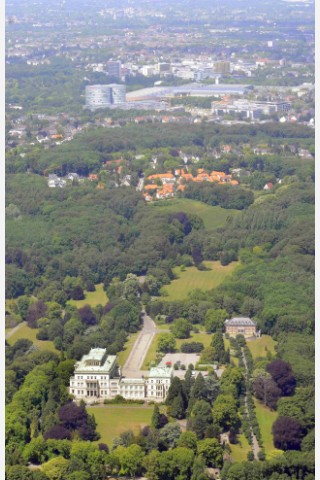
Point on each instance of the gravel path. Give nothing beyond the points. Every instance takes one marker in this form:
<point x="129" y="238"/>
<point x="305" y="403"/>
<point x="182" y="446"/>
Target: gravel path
<point x="255" y="444"/>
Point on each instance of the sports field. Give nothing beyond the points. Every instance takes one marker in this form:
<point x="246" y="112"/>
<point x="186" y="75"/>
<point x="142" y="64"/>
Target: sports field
<point x="112" y="419"/>
<point x="212" y="217"/>
<point x="261" y="346"/>
<point x="31" y="334"/>
<point x="99" y="297"/>
<point x="192" y="278"/>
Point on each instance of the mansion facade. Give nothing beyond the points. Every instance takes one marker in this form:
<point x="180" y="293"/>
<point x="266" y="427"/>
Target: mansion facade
<point x="241" y="325"/>
<point x="98" y="377"/>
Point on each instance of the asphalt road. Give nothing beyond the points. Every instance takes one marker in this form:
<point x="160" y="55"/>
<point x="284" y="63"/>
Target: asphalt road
<point x="132" y="367"/>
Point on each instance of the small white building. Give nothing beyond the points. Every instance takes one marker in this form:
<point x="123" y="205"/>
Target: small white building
<point x="98" y="377"/>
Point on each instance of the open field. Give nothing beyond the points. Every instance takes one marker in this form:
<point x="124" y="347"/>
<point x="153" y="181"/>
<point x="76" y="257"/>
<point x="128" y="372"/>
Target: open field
<point x="99" y="297"/>
<point x="240" y="450"/>
<point x="123" y="355"/>
<point x="30" y="334"/>
<point x="112" y="419"/>
<point x="258" y="347"/>
<point x="212" y="217"/>
<point x="192" y="278"/>
<point x="266" y="418"/>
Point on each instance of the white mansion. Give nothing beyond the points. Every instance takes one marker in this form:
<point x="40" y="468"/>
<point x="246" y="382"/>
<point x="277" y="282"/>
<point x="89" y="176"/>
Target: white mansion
<point x="98" y="377"/>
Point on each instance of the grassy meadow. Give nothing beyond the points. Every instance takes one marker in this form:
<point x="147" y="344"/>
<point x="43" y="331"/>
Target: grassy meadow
<point x="31" y="334"/>
<point x="261" y="346"/>
<point x="192" y="278"/>
<point x="212" y="217"/>
<point x="98" y="297"/>
<point x="266" y="418"/>
<point x="112" y="420"/>
<point x="240" y="450"/>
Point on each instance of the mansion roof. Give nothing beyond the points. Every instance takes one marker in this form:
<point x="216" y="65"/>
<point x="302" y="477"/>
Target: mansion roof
<point x="240" y="322"/>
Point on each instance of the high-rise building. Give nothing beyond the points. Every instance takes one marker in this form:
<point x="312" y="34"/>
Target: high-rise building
<point x="163" y="67"/>
<point x="114" y="68"/>
<point x="104" y="96"/>
<point x="222" y="67"/>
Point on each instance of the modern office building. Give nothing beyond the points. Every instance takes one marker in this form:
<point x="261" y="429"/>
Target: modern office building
<point x="104" y="96"/>
<point x="118" y="93"/>
<point x="98" y="96"/>
<point x="98" y="377"/>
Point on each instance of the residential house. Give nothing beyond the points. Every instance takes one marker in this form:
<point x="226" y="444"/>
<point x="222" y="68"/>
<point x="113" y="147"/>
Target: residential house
<point x="93" y="177"/>
<point x="165" y="192"/>
<point x="72" y="176"/>
<point x="268" y="186"/>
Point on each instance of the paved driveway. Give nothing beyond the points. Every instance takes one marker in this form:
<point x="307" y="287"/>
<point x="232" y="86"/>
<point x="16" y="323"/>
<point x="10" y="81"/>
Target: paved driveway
<point x="132" y="367"/>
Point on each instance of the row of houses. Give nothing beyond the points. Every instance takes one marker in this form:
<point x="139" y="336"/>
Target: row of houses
<point x="166" y="185"/>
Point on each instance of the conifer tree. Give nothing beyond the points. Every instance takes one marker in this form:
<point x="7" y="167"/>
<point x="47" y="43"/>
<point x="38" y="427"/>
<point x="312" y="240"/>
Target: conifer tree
<point x="156" y="418"/>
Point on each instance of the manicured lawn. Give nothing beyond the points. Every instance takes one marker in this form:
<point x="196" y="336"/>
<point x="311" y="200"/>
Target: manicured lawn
<point x="203" y="337"/>
<point x="30" y="334"/>
<point x="212" y="217"/>
<point x="112" y="420"/>
<point x="266" y="418"/>
<point x="99" y="297"/>
<point x="192" y="279"/>
<point x="258" y="347"/>
<point x="240" y="450"/>
<point x="123" y="355"/>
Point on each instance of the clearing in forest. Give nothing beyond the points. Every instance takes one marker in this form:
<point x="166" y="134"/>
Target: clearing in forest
<point x="192" y="279"/>
<point x="31" y="334"/>
<point x="212" y="217"/>
<point x="261" y="346"/>
<point x="98" y="297"/>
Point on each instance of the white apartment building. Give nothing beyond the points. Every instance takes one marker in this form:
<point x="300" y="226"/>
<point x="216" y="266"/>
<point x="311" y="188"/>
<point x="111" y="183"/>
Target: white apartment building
<point x="98" y="377"/>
